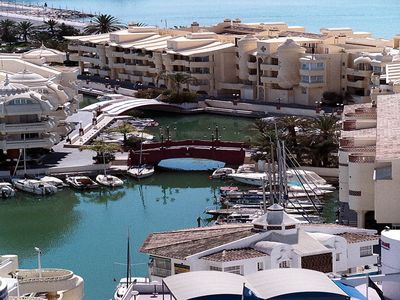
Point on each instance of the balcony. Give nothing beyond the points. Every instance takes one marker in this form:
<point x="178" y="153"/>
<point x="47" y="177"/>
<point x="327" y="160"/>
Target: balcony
<point x="252" y="65"/>
<point x="92" y="60"/>
<point x="118" y="65"/>
<point x="135" y="78"/>
<point x="72" y="47"/>
<point x="74" y="57"/>
<point x="265" y="79"/>
<point x="266" y="67"/>
<point x="46" y="142"/>
<point x="361" y="84"/>
<point x="201" y="76"/>
<point x="43" y="126"/>
<point x="87" y="48"/>
<point x="361" y="158"/>
<point x="200" y="64"/>
<point x="253" y="77"/>
<point x="361" y="73"/>
<point x="117" y="54"/>
<point x="312" y="84"/>
<point x="180" y="62"/>
<point x="148" y="79"/>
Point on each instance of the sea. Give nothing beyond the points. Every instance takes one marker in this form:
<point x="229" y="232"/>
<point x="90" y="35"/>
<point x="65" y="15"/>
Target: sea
<point x="381" y="18"/>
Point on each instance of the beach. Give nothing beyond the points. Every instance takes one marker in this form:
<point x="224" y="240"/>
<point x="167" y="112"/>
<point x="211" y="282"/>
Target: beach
<point x="39" y="14"/>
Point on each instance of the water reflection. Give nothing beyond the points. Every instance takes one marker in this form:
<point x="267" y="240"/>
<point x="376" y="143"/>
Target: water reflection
<point x="27" y="221"/>
<point x="103" y="195"/>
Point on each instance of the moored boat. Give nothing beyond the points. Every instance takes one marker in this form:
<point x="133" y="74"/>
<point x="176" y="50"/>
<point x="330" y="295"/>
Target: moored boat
<point x="34" y="186"/>
<point x="222" y="173"/>
<point x="6" y="190"/>
<point x="109" y="180"/>
<point x="81" y="182"/>
<point x="140" y="172"/>
<point x="53" y="181"/>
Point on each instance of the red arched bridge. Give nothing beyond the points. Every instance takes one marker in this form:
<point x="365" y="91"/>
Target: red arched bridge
<point x="231" y="153"/>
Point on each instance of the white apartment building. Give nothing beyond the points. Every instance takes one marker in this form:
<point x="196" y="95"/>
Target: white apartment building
<point x="35" y="100"/>
<point x="275" y="240"/>
<point x="270" y="62"/>
<point x="369" y="161"/>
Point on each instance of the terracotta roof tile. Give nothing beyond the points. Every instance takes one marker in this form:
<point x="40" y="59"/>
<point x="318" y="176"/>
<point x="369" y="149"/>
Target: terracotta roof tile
<point x="235" y="254"/>
<point x="182" y="243"/>
<point x="357" y="238"/>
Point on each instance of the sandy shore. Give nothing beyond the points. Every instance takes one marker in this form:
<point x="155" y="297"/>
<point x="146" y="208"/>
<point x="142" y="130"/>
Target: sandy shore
<point x="40" y="14"/>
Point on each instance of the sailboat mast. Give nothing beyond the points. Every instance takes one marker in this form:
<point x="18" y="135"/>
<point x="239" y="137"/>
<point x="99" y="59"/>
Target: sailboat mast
<point x="128" y="264"/>
<point x="141" y="150"/>
<point x="24" y="156"/>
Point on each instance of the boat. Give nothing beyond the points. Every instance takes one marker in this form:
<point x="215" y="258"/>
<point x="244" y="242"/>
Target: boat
<point x="109" y="180"/>
<point x="222" y="173"/>
<point x="297" y="180"/>
<point x="140" y="172"/>
<point x="34" y="186"/>
<point x="57" y="182"/>
<point x="6" y="190"/>
<point x="246" y="168"/>
<point x="107" y="97"/>
<point x="81" y="182"/>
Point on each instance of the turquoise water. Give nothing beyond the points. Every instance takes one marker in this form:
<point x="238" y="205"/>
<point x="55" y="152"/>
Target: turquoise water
<point x="379" y="17"/>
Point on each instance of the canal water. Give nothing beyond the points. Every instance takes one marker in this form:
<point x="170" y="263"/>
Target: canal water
<point x="87" y="231"/>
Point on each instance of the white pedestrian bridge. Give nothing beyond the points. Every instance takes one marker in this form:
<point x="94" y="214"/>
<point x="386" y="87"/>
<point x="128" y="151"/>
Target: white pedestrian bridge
<point x="120" y="106"/>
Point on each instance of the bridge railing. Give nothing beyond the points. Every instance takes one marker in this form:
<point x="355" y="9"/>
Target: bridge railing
<point x="170" y="143"/>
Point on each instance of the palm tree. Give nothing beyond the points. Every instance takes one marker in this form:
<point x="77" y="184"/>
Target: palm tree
<point x="102" y="24"/>
<point x="179" y="79"/>
<point x="24" y="28"/>
<point x="51" y="25"/>
<point x="7" y="27"/>
<point x="125" y="128"/>
<point x="101" y="147"/>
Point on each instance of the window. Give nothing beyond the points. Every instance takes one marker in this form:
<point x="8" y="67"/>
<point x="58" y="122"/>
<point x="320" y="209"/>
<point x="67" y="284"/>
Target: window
<point x="160" y="266"/>
<point x="212" y="268"/>
<point x="260" y="266"/>
<point x="234" y="269"/>
<point x="365" y="251"/>
<point x="21" y="101"/>
<point x="284" y="264"/>
<point x="337" y="256"/>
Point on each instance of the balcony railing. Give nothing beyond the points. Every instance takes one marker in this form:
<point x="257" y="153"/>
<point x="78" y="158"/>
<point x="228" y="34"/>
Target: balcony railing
<point x="361" y="159"/>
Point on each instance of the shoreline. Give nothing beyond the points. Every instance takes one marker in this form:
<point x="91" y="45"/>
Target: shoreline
<point x="39" y="14"/>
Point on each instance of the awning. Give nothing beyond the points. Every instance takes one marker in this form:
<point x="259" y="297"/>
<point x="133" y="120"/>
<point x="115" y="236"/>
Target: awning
<point x="350" y="290"/>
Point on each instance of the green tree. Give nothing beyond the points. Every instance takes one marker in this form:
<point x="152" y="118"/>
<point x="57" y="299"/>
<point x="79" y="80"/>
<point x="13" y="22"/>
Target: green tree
<point x="7" y="29"/>
<point x="179" y="79"/>
<point x="66" y="30"/>
<point x="51" y="26"/>
<point x="102" y="24"/>
<point x="25" y="29"/>
<point x="101" y="147"/>
<point x="125" y="128"/>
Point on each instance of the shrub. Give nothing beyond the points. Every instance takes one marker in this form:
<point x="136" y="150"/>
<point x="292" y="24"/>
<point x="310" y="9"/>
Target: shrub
<point x="148" y="93"/>
<point x="183" y="97"/>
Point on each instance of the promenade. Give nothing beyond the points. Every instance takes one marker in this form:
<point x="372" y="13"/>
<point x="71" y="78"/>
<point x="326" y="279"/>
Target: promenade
<point x="39" y="14"/>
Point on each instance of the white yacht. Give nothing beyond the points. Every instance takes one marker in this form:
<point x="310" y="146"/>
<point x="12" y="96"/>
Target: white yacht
<point x="34" y="186"/>
<point x="6" y="190"/>
<point x="140" y="172"/>
<point x="109" y="180"/>
<point x="298" y="180"/>
<point x="81" y="182"/>
<point x="222" y="173"/>
<point x="107" y="97"/>
<point x="53" y="181"/>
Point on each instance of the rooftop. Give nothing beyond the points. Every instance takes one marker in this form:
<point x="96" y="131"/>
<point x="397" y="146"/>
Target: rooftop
<point x="388" y="127"/>
<point x="182" y="243"/>
<point x="235" y="254"/>
<point x="357" y="238"/>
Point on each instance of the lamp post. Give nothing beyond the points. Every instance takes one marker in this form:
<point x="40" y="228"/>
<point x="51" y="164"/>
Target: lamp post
<point x="39" y="252"/>
<point x="318" y="106"/>
<point x="339" y="108"/>
<point x="278" y="106"/>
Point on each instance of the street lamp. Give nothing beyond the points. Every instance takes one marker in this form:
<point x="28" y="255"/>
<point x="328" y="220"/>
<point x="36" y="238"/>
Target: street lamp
<point x="278" y="106"/>
<point x="39" y="252"/>
<point x="318" y="106"/>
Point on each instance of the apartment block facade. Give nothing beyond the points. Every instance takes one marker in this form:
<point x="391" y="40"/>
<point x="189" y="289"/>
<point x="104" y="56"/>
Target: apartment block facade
<point x="369" y="162"/>
<point x="269" y="62"/>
